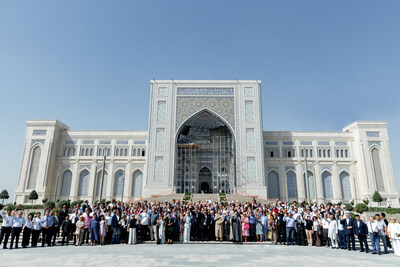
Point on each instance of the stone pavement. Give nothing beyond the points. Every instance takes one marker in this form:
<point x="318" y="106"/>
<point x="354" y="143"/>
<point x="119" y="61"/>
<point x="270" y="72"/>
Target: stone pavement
<point x="194" y="254"/>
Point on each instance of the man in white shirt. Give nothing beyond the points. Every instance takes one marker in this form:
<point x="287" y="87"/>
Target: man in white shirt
<point x="6" y="226"/>
<point x="374" y="235"/>
<point x="144" y="224"/>
<point x="18" y="223"/>
<point x="325" y="229"/>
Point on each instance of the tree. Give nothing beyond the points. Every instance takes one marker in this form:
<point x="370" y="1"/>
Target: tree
<point x="4" y="195"/>
<point x="33" y="196"/>
<point x="377" y="197"/>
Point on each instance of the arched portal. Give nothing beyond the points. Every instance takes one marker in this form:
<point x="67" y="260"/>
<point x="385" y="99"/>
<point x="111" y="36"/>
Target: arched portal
<point x="205" y="140"/>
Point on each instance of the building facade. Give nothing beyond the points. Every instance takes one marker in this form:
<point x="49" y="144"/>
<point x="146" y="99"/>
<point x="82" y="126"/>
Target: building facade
<point x="206" y="136"/>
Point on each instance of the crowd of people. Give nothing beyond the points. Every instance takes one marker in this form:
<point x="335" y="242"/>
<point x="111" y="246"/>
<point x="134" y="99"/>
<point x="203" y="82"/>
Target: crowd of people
<point x="176" y="221"/>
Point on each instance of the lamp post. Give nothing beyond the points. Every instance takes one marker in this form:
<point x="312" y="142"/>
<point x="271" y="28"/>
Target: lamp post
<point x="306" y="177"/>
<point x="102" y="177"/>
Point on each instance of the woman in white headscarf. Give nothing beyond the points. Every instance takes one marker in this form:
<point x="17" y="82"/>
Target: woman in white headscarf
<point x="394" y="235"/>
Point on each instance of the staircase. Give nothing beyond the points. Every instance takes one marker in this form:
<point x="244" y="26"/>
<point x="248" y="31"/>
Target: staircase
<point x="204" y="197"/>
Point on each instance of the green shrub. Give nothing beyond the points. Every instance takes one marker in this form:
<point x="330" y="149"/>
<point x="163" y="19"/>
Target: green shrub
<point x="386" y="210"/>
<point x="44" y="200"/>
<point x="352" y="202"/>
<point x="61" y="203"/>
<point x="50" y="205"/>
<point x="361" y="207"/>
<point x="352" y="215"/>
<point x="340" y="203"/>
<point x="366" y="201"/>
<point x="73" y="203"/>
<point x="349" y="207"/>
<point x="377" y="197"/>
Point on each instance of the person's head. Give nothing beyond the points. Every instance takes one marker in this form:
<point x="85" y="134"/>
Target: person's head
<point x="377" y="217"/>
<point x="47" y="212"/>
<point x="56" y="213"/>
<point x="20" y="214"/>
<point x="81" y="218"/>
<point x="383" y="215"/>
<point x="315" y="218"/>
<point x="67" y="217"/>
<point x="153" y="211"/>
<point x="94" y="216"/>
<point x="392" y="219"/>
<point x="347" y="215"/>
<point x="64" y="207"/>
<point x="30" y="217"/>
<point x="290" y="215"/>
<point x="38" y="214"/>
<point x="331" y="217"/>
<point x="357" y="217"/>
<point x="371" y="218"/>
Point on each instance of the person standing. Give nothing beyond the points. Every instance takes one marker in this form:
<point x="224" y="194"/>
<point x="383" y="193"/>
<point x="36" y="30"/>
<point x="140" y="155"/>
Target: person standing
<point x="65" y="229"/>
<point x="383" y="218"/>
<point x="300" y="230"/>
<point x="245" y="227"/>
<point x="374" y="235"/>
<point x="381" y="231"/>
<point x="309" y="231"/>
<point x="342" y="240"/>
<point x="36" y="229"/>
<point x="144" y="224"/>
<point x="348" y="231"/>
<point x="102" y="229"/>
<point x="361" y="230"/>
<point x="153" y="224"/>
<point x="169" y="223"/>
<point x="56" y="227"/>
<point x="219" y="226"/>
<point x="18" y="223"/>
<point x="186" y="233"/>
<point x="46" y="223"/>
<point x="290" y="228"/>
<point x="6" y="226"/>
<point x="26" y="236"/>
<point x="115" y="227"/>
<point x="132" y="239"/>
<point x="79" y="231"/>
<point x="325" y="230"/>
<point x="94" y="230"/>
<point x="394" y="235"/>
<point x="252" y="223"/>
<point x="161" y="229"/>
<point x="333" y="232"/>
<point x="273" y="228"/>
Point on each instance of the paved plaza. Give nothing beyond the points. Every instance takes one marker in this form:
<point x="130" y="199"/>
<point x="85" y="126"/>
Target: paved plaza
<point x="191" y="255"/>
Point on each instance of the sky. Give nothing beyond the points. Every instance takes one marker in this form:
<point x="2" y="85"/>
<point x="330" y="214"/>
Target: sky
<point x="323" y="64"/>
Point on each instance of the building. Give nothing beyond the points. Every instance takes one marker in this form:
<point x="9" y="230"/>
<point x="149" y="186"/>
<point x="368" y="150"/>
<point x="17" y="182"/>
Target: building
<point x="206" y="136"/>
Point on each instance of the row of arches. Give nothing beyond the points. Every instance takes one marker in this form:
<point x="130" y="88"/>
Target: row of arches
<point x="103" y="151"/>
<point x="274" y="188"/>
<point x="118" y="181"/>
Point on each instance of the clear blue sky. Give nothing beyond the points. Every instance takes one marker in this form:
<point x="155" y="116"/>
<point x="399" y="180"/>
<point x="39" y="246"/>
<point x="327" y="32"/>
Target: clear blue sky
<point x="323" y="64"/>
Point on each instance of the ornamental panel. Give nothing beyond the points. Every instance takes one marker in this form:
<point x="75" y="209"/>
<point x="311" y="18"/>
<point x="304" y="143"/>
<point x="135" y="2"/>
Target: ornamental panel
<point x="205" y="91"/>
<point x="160" y="137"/>
<point x="251" y="169"/>
<point x="161" y="111"/>
<point x="159" y="168"/>
<point x="249" y="111"/>
<point x="186" y="107"/>
<point x="250" y="139"/>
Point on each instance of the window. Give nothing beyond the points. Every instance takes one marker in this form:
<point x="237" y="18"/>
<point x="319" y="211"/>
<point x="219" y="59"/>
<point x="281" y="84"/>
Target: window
<point x="84" y="183"/>
<point x="345" y="185"/>
<point x="327" y="184"/>
<point x="98" y="183"/>
<point x="291" y="184"/>
<point x="273" y="185"/>
<point x="34" y="169"/>
<point x="377" y="166"/>
<point x="66" y="184"/>
<point x="118" y="183"/>
<point x="137" y="184"/>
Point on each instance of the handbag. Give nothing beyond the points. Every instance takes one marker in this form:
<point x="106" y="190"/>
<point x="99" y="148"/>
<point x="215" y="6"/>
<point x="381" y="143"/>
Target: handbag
<point x="247" y="226"/>
<point x="375" y="234"/>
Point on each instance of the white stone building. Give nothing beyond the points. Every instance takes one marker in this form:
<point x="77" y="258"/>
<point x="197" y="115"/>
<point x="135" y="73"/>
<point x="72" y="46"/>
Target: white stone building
<point x="206" y="136"/>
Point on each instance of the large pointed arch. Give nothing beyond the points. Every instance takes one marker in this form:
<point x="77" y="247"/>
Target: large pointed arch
<point x="84" y="178"/>
<point x="34" y="167"/>
<point x="198" y="140"/>
<point x="66" y="183"/>
<point x="273" y="184"/>
<point x="137" y="183"/>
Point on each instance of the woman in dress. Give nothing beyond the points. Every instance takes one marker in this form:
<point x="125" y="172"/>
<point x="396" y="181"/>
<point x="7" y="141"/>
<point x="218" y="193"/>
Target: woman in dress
<point x="394" y="235"/>
<point x="123" y="228"/>
<point x="102" y="229"/>
<point x="79" y="231"/>
<point x="181" y="225"/>
<point x="161" y="228"/>
<point x="235" y="225"/>
<point x="132" y="230"/>
<point x="258" y="229"/>
<point x="245" y="227"/>
<point x="94" y="230"/>
<point x="186" y="234"/>
<point x="169" y="225"/>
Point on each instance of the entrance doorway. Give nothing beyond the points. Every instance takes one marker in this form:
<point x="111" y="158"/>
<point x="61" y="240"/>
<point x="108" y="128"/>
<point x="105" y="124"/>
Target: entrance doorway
<point x="205" y="187"/>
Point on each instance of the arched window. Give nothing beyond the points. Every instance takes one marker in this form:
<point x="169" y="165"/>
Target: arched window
<point x="143" y="152"/>
<point x="98" y="184"/>
<point x="139" y="152"/>
<point x="82" y="151"/>
<point x="91" y="152"/>
<point x="99" y="153"/>
<point x="341" y="153"/>
<point x="116" y="152"/>
<point x="66" y="184"/>
<point x="319" y="153"/>
<point x="324" y="153"/>
<point x="376" y="162"/>
<point x="346" y="153"/>
<point x="329" y="153"/>
<point x="134" y="152"/>
<point x="84" y="183"/>
<point x="311" y="186"/>
<point x="108" y="152"/>
<point x="33" y="173"/>
<point x="345" y="185"/>
<point x="65" y="153"/>
<point x="273" y="185"/>
<point x="289" y="154"/>
<point x="137" y="184"/>
<point x="327" y="184"/>
<point x="337" y="153"/>
<point x="302" y="153"/>
<point x="118" y="183"/>
<point x="291" y="184"/>
<point x="311" y="153"/>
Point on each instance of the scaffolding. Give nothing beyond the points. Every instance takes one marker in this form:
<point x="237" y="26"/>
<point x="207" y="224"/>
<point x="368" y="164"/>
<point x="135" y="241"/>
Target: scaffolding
<point x="214" y="152"/>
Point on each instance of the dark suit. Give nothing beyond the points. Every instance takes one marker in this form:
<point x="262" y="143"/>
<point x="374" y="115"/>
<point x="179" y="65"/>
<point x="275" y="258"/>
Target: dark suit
<point x="66" y="229"/>
<point x="194" y="226"/>
<point x="362" y="233"/>
<point x="349" y="233"/>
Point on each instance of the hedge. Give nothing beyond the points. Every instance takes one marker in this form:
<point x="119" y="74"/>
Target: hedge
<point x="349" y="207"/>
<point x="61" y="203"/>
<point x="361" y="207"/>
<point x="385" y="210"/>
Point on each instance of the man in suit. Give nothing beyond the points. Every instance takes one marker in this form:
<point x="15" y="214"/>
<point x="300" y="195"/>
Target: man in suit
<point x="204" y="223"/>
<point x="115" y="226"/>
<point x="65" y="229"/>
<point x="211" y="226"/>
<point x="63" y="213"/>
<point x="194" y="231"/>
<point x="361" y="230"/>
<point x="348" y="231"/>
<point x="56" y="227"/>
